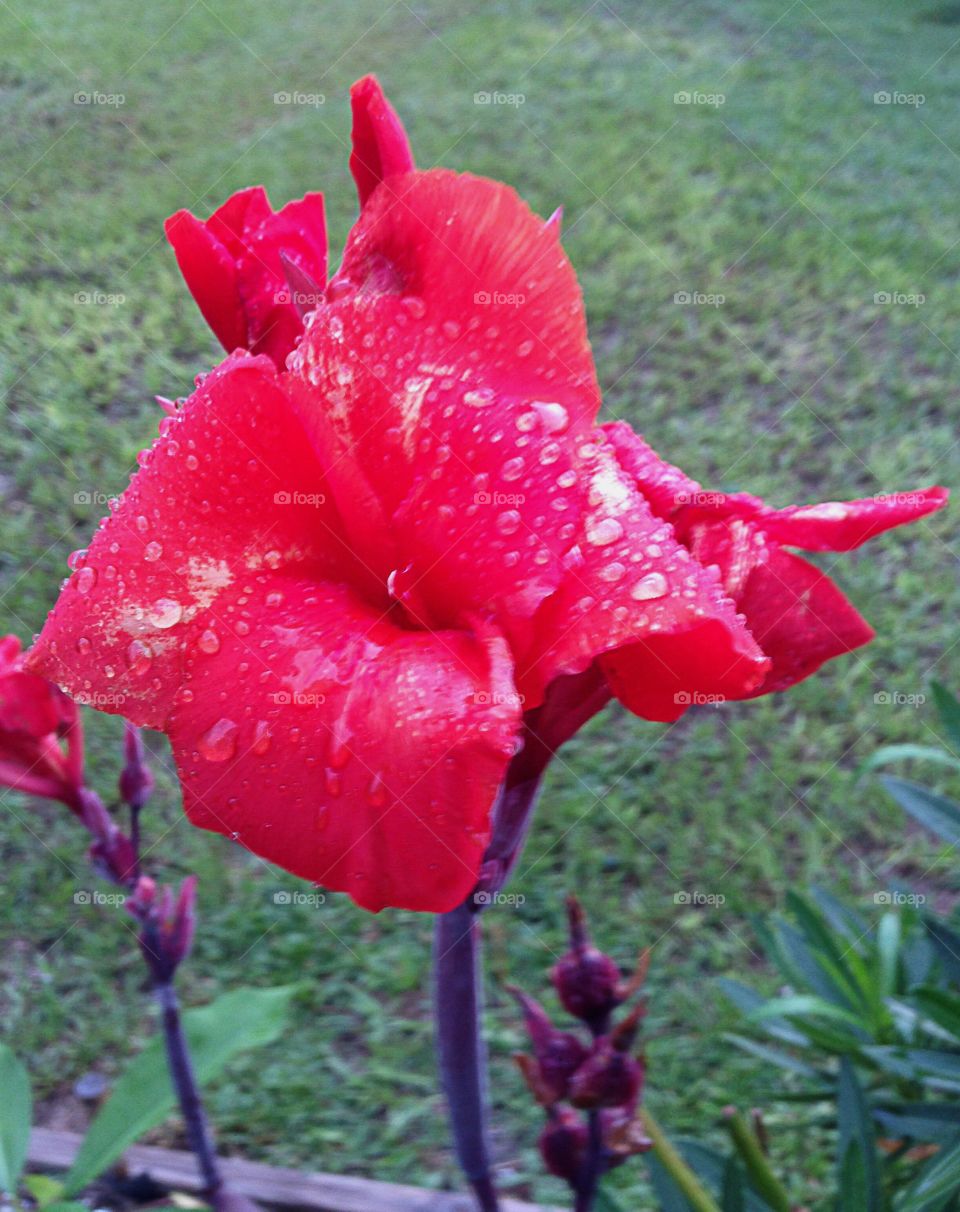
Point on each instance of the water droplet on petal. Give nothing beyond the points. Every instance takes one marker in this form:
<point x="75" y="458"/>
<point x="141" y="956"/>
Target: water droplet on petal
<point x="261" y="738"/>
<point x="219" y="743"/>
<point x="165" y="612"/>
<point x="653" y="585"/>
<point x="85" y="580"/>
<point x="509" y="521"/>
<point x="480" y="397"/>
<point x="152" y="552"/>
<point x="601" y="531"/>
<point x="555" y="417"/>
<point x="512" y="469"/>
<point x="209" y="642"/>
<point x="139" y="657"/>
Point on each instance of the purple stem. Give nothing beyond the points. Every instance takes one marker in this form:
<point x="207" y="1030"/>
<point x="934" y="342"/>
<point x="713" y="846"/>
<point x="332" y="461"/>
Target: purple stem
<point x="593" y="1165"/>
<point x="458" y="976"/>
<point x="185" y="1085"/>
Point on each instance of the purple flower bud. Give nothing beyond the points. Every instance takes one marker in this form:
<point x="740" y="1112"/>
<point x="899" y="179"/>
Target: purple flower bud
<point x="610" y="1076"/>
<point x="136" y="779"/>
<point x="587" y="981"/>
<point x="558" y="1053"/>
<point x="563" y="1144"/>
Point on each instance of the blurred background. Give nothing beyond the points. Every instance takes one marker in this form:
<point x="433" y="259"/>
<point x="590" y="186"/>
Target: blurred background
<point x="761" y="202"/>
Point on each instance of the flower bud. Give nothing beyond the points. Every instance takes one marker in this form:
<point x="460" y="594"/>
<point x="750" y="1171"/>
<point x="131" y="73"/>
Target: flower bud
<point x="563" y="1144"/>
<point x="136" y="779"/>
<point x="610" y="1076"/>
<point x="558" y="1053"/>
<point x="586" y="980"/>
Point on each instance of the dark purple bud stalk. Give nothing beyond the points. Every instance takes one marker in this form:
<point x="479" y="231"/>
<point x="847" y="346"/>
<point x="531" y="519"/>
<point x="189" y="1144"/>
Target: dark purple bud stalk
<point x="587" y="981"/>
<point x="559" y="1053"/>
<point x="563" y="1143"/>
<point x="610" y="1076"/>
<point x="111" y="851"/>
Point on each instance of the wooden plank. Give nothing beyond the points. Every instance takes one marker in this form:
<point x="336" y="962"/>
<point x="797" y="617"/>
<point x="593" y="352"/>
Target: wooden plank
<point x="51" y="1150"/>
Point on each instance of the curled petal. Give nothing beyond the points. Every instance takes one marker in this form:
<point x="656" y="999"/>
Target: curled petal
<point x="234" y="265"/>
<point x="380" y="145"/>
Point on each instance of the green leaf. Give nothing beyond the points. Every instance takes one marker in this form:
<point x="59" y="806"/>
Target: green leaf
<point x="904" y="753"/>
<point x="842" y="918"/>
<point x="934" y="812"/>
<point x="747" y="1000"/>
<point x="947" y="945"/>
<point x="933" y="1068"/>
<point x="43" y="1188"/>
<point x="924" y="1123"/>
<point x="774" y="1056"/>
<point x="948" y="708"/>
<point x="858" y="1177"/>
<point x="943" y="1006"/>
<point x="143" y="1097"/>
<point x="936" y="1185"/>
<point x="800" y="1004"/>
<point x="16" y="1110"/>
<point x="889" y="935"/>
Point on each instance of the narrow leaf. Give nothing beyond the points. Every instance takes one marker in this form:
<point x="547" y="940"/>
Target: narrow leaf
<point x="16" y="1109"/>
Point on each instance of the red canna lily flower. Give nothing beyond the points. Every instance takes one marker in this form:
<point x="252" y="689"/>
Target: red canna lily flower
<point x="41" y="741"/>
<point x="350" y="584"/>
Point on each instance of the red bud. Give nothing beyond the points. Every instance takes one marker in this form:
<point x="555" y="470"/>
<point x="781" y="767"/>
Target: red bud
<point x="587" y="981"/>
<point x="558" y="1053"/>
<point x="563" y="1144"/>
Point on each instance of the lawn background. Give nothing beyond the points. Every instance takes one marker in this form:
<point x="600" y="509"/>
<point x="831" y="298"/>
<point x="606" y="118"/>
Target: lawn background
<point x="798" y="199"/>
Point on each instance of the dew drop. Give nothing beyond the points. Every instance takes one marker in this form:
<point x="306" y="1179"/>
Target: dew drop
<point x="77" y="559"/>
<point x="509" y="521"/>
<point x="139" y="658"/>
<point x="654" y="585"/>
<point x="152" y="552"/>
<point x="165" y="612"/>
<point x="209" y="642"/>
<point x="512" y="469"/>
<point x="555" y="417"/>
<point x="219" y="743"/>
<point x="83" y="645"/>
<point x="85" y="580"/>
<point x="602" y="531"/>
<point x="261" y="738"/>
<point x="480" y="397"/>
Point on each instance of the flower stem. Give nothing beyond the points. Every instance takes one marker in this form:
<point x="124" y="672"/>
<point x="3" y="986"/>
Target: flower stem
<point x="668" y="1156"/>
<point x="185" y="1085"/>
<point x="592" y="1167"/>
<point x="458" y="997"/>
<point x="746" y="1143"/>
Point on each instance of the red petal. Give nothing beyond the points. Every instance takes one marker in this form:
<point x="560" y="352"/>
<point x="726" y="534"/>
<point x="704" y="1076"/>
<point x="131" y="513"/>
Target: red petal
<point x="665" y="633"/>
<point x="234" y="268"/>
<point x="797" y="614"/>
<point x="844" y="525"/>
<point x="355" y="754"/>
<point x="230" y="493"/>
<point x="380" y="145"/>
<point x="211" y="275"/>
<point x="446" y="383"/>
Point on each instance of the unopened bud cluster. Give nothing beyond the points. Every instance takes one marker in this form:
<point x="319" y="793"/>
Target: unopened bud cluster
<point x="600" y="1073"/>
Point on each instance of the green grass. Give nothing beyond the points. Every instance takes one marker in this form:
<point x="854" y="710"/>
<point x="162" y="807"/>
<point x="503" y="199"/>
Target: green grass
<point x="797" y="199"/>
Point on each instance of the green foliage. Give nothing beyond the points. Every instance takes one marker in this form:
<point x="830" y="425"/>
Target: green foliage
<point x="16" y="1111"/>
